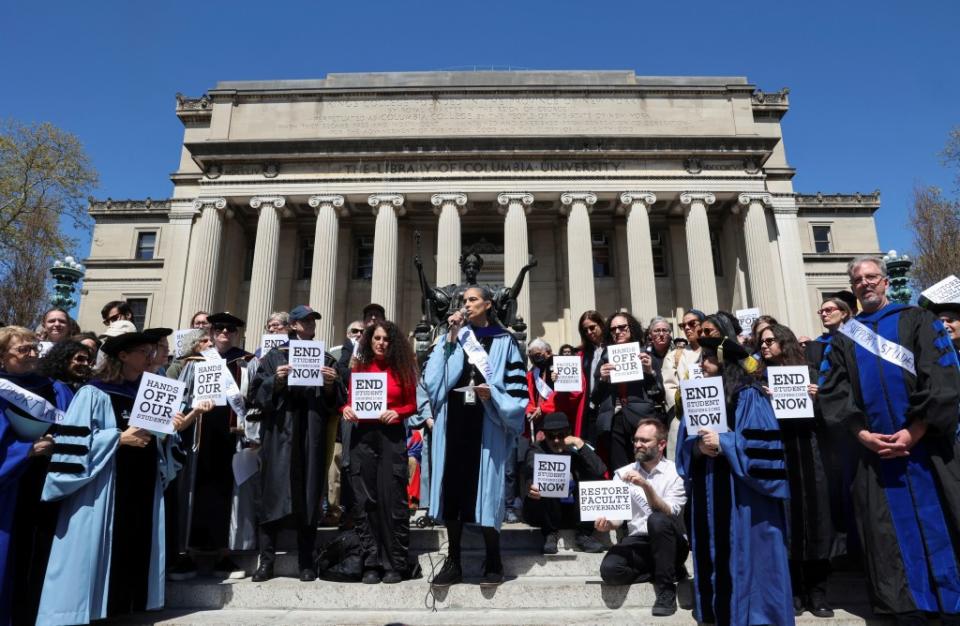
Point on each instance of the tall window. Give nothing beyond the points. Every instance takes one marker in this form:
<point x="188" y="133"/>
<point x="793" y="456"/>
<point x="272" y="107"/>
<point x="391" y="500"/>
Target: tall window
<point x="602" y="265"/>
<point x="715" y="250"/>
<point x="305" y="265"/>
<point x="658" y="241"/>
<point x="146" y="245"/>
<point x="363" y="260"/>
<point x="822" y="241"/>
<point x="139" y="308"/>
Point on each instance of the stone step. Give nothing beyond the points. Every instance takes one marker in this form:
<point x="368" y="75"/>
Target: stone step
<point x="486" y="617"/>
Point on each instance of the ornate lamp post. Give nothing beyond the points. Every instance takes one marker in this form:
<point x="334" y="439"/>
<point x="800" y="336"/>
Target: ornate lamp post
<point x="67" y="273"/>
<point x="898" y="267"/>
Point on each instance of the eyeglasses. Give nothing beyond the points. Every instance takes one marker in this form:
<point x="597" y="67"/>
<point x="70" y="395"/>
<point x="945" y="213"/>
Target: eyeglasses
<point x="275" y="326"/>
<point x="356" y="331"/>
<point x="827" y="311"/>
<point x="622" y="328"/>
<point x="26" y="349"/>
<point x="769" y="341"/>
<point x="867" y="279"/>
<point x="556" y="434"/>
<point x="690" y="324"/>
<point x="229" y="329"/>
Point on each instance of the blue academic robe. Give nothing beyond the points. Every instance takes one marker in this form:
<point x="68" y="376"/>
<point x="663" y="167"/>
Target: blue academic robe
<point x="503" y="417"/>
<point x="738" y="529"/>
<point x="82" y="476"/>
<point x="13" y="462"/>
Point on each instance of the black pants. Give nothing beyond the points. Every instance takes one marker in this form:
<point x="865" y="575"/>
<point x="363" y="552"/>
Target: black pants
<point x="621" y="442"/>
<point x="378" y="475"/>
<point x="551" y="515"/>
<point x="306" y="540"/>
<point x="809" y="576"/>
<point x="659" y="553"/>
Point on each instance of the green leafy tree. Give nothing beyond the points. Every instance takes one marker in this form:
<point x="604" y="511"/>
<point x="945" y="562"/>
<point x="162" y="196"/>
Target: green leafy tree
<point x="45" y="178"/>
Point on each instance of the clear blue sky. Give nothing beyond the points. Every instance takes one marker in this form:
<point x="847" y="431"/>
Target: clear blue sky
<point x="875" y="86"/>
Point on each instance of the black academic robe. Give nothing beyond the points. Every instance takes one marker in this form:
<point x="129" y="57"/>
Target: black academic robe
<point x="908" y="508"/>
<point x="292" y="429"/>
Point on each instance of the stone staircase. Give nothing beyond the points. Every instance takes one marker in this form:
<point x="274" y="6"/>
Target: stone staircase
<point x="557" y="589"/>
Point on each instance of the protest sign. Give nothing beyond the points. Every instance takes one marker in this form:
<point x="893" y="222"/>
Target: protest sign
<point x="271" y="341"/>
<point x="368" y="394"/>
<point x="747" y="317"/>
<point x="43" y="348"/>
<point x="551" y="474"/>
<point x="788" y="384"/>
<point x="605" y="498"/>
<point x="211" y="354"/>
<point x="306" y="359"/>
<point x="944" y="292"/>
<point x="178" y="339"/>
<point x="626" y="357"/>
<point x="569" y="377"/>
<point x="208" y="382"/>
<point x="696" y="372"/>
<point x="704" y="405"/>
<point x="158" y="400"/>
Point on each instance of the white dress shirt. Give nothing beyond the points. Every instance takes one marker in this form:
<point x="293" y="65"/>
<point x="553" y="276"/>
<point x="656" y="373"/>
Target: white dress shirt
<point x="666" y="483"/>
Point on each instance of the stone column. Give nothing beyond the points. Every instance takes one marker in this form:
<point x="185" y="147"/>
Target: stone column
<point x="516" y="249"/>
<point x="703" y="282"/>
<point x="756" y="240"/>
<point x="263" y="280"/>
<point x="383" y="288"/>
<point x="576" y="206"/>
<point x="799" y="310"/>
<point x="205" y="254"/>
<point x="449" y="206"/>
<point x="643" y="285"/>
<point x="323" y="276"/>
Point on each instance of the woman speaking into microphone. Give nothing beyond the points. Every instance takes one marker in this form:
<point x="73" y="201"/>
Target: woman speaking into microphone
<point x="477" y="385"/>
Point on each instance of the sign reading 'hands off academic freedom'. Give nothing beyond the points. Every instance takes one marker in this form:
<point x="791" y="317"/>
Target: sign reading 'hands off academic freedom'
<point x="306" y="363"/>
<point x="704" y="405"/>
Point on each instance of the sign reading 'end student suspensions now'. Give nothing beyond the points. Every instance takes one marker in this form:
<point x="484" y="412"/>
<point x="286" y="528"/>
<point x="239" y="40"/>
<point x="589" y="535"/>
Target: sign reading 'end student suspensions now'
<point x="306" y="363"/>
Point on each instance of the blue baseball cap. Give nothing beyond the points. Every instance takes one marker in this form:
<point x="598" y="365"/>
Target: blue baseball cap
<point x="303" y="312"/>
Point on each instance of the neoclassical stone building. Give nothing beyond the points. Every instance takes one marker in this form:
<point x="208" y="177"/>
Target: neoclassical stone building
<point x="645" y="193"/>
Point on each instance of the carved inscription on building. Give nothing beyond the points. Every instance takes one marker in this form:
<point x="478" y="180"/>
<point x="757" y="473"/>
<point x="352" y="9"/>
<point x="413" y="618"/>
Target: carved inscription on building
<point x="488" y="116"/>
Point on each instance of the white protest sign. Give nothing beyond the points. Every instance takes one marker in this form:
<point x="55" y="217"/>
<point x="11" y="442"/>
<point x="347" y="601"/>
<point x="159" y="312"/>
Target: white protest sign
<point x="368" y="394"/>
<point x="208" y="382"/>
<point x="178" y="345"/>
<point x="747" y="317"/>
<point x="947" y="290"/>
<point x="789" y="387"/>
<point x="626" y="357"/>
<point x="704" y="405"/>
<point x="605" y="498"/>
<point x="271" y="341"/>
<point x="211" y="354"/>
<point x="569" y="376"/>
<point x="43" y="348"/>
<point x="696" y="372"/>
<point x="551" y="475"/>
<point x="306" y="359"/>
<point x="158" y="400"/>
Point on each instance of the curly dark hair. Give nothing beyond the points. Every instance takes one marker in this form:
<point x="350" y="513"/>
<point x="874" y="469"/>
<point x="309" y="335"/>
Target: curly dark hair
<point x="789" y="345"/>
<point x="56" y="363"/>
<point x="636" y="329"/>
<point x="399" y="358"/>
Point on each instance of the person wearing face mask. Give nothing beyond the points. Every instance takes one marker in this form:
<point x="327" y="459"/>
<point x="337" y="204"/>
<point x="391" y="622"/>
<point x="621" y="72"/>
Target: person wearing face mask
<point x="379" y="455"/>
<point x="552" y="515"/>
<point x="892" y="383"/>
<point x="737" y="488"/>
<point x="623" y="405"/>
<point x="475" y="381"/>
<point x="292" y="430"/>
<point x="28" y="524"/>
<point x="682" y="363"/>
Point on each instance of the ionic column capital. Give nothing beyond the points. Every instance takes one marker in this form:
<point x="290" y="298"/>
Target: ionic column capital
<point x="377" y="200"/>
<point x="629" y="198"/>
<point x="567" y="199"/>
<point x="459" y="200"/>
<point x="334" y="201"/>
<point x="689" y="197"/>
<point x="205" y="201"/>
<point x="763" y="198"/>
<point x="522" y="198"/>
<point x="277" y="202"/>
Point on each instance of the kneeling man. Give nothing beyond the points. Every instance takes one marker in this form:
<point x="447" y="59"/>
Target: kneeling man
<point x="554" y="514"/>
<point x="655" y="546"/>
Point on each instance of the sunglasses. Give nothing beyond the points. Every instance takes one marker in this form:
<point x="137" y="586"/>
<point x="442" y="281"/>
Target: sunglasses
<point x="827" y="311"/>
<point x="27" y="349"/>
<point x="229" y="329"/>
<point x="622" y="328"/>
<point x="769" y="341"/>
<point x="356" y="331"/>
<point x="690" y="324"/>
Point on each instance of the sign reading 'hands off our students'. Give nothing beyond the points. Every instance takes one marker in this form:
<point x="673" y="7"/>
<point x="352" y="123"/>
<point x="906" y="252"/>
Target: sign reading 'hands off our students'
<point x="158" y="400"/>
<point x="626" y="358"/>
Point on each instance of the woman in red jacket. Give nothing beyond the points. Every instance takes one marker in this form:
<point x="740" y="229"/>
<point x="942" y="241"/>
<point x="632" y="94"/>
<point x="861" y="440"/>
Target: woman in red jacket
<point x="378" y="455"/>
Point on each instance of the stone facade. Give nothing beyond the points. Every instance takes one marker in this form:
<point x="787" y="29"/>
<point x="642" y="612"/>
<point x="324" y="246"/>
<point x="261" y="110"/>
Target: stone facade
<point x="312" y="191"/>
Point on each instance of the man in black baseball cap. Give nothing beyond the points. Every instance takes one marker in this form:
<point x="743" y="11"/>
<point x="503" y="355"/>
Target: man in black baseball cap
<point x="555" y="514"/>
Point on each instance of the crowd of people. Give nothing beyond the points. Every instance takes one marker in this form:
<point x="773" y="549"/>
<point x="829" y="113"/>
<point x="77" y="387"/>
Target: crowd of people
<point x="95" y="514"/>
